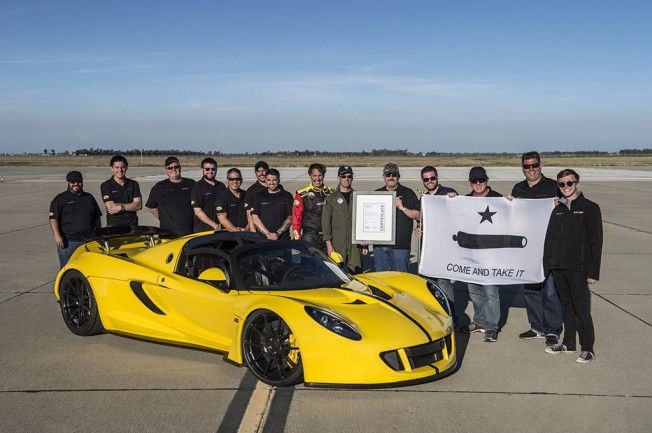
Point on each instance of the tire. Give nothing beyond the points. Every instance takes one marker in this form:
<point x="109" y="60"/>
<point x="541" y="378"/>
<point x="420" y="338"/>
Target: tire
<point x="78" y="306"/>
<point x="270" y="351"/>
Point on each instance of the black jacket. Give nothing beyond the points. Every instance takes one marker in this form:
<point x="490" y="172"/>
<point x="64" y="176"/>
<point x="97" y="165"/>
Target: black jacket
<point x="574" y="238"/>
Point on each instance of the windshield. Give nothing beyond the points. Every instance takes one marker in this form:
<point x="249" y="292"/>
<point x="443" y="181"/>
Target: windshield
<point x="288" y="267"/>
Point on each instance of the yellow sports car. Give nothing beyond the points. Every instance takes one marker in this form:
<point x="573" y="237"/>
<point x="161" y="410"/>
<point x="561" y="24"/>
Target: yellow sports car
<point x="283" y="309"/>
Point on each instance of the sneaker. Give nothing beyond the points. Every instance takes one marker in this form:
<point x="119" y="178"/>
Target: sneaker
<point x="551" y="340"/>
<point x="559" y="348"/>
<point x="530" y="334"/>
<point x="491" y="336"/>
<point x="472" y="327"/>
<point x="585" y="357"/>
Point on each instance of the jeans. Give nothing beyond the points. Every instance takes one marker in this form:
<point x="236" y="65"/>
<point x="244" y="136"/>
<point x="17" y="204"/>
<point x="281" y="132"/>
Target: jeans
<point x="391" y="259"/>
<point x="543" y="307"/>
<point x="486" y="305"/>
<point x="576" y="300"/>
<point x="64" y="253"/>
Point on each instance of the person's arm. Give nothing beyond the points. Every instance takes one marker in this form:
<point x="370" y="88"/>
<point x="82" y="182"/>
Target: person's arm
<point x="203" y="217"/>
<point x="227" y="224"/>
<point x="261" y="227"/>
<point x="415" y="214"/>
<point x="594" y="226"/>
<point x="285" y="226"/>
<point x="58" y="239"/>
<point x="153" y="211"/>
<point x="97" y="223"/>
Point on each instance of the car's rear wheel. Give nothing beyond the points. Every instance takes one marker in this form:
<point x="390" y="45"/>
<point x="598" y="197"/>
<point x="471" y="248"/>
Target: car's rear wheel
<point x="78" y="306"/>
<point x="270" y="349"/>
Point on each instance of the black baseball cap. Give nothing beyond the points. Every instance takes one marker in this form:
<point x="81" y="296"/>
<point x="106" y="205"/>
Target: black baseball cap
<point x="478" y="173"/>
<point x="344" y="169"/>
<point x="74" y="176"/>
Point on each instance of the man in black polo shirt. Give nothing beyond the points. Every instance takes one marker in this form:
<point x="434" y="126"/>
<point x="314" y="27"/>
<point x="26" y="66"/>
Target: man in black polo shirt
<point x="121" y="195"/>
<point x="541" y="300"/>
<point x="74" y="216"/>
<point x="271" y="210"/>
<point x="169" y="200"/>
<point x="230" y="205"/>
<point x="396" y="257"/>
<point x="203" y="196"/>
<point x="259" y="185"/>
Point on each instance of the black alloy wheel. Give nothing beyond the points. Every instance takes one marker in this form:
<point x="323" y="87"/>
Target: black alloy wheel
<point x="78" y="306"/>
<point x="270" y="350"/>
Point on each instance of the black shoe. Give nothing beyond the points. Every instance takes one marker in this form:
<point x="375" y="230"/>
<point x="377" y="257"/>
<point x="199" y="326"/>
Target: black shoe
<point x="472" y="327"/>
<point x="551" y="340"/>
<point x="491" y="336"/>
<point x="585" y="357"/>
<point x="559" y="348"/>
<point x="530" y="334"/>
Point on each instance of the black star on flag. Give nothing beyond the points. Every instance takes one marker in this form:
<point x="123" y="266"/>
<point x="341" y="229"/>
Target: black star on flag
<point x="486" y="215"/>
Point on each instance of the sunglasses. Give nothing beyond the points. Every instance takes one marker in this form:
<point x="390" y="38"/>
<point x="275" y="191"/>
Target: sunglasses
<point x="391" y="175"/>
<point x="567" y="183"/>
<point x="478" y="180"/>
<point x="429" y="179"/>
<point x="210" y="169"/>
<point x="234" y="179"/>
<point x="347" y="176"/>
<point x="531" y="166"/>
<point x="173" y="167"/>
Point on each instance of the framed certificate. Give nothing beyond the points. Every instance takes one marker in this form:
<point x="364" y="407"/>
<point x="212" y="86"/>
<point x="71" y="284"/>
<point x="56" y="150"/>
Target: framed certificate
<point x="374" y="217"/>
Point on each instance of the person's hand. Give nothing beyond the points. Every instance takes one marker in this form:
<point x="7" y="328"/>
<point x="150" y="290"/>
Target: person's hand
<point x="556" y="201"/>
<point x="113" y="208"/>
<point x="399" y="203"/>
<point x="296" y="234"/>
<point x="591" y="281"/>
<point x="418" y="232"/>
<point x="365" y="250"/>
<point x="272" y="236"/>
<point x="58" y="241"/>
<point x="452" y="194"/>
<point x="329" y="249"/>
<point x="509" y="197"/>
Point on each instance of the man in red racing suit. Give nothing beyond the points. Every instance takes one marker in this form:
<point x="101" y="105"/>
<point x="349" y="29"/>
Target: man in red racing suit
<point x="308" y="204"/>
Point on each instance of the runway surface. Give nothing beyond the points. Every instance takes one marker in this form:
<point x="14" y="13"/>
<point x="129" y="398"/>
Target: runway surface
<point x="54" y="381"/>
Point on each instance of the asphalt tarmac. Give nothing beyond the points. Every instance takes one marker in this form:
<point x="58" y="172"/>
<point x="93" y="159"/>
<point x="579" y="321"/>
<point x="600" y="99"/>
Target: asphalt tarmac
<point x="54" y="381"/>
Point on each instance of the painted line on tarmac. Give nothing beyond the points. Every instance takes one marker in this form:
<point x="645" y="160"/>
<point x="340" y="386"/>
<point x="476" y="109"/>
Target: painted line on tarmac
<point x="628" y="227"/>
<point x="621" y="308"/>
<point x="27" y="291"/>
<point x="23" y="229"/>
<point x="257" y="409"/>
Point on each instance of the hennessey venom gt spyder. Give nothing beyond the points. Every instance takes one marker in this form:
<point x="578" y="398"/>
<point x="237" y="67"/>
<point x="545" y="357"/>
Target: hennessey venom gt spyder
<point x="283" y="309"/>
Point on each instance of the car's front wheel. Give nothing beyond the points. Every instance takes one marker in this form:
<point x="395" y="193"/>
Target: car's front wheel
<point x="270" y="349"/>
<point x="78" y="306"/>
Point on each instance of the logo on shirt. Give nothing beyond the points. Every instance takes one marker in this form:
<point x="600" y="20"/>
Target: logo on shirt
<point x="218" y="208"/>
<point x="192" y="202"/>
<point x="340" y="200"/>
<point x="106" y="197"/>
<point x="296" y="202"/>
<point x="51" y="214"/>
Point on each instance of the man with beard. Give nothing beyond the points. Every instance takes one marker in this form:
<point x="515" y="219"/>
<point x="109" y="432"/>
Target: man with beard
<point x="121" y="195"/>
<point x="203" y="195"/>
<point x="336" y="220"/>
<point x="307" y="208"/>
<point x="271" y="210"/>
<point x="169" y="200"/>
<point x="74" y="216"/>
<point x="230" y="205"/>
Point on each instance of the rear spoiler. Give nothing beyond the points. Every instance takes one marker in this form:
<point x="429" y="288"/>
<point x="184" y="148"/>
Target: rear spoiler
<point x="126" y="234"/>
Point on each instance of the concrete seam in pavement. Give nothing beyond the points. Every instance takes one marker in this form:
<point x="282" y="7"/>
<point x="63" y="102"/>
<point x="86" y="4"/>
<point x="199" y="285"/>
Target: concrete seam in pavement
<point x="23" y="229"/>
<point x="627" y="227"/>
<point x="621" y="308"/>
<point x="26" y="291"/>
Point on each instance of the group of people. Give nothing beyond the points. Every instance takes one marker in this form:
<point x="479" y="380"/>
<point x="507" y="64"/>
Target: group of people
<point x="322" y="216"/>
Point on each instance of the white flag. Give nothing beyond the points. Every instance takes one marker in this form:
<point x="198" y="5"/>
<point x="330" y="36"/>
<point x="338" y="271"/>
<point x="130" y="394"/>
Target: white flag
<point x="484" y="240"/>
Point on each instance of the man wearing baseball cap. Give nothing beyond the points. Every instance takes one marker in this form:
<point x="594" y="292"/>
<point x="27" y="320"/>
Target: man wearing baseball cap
<point x="336" y="217"/>
<point x="74" y="216"/>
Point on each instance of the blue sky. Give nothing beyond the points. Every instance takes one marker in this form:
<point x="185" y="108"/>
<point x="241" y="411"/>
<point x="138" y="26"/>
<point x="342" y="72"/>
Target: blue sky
<point x="235" y="76"/>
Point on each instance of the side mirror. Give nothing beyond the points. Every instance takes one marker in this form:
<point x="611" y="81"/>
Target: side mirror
<point x="337" y="258"/>
<point x="212" y="275"/>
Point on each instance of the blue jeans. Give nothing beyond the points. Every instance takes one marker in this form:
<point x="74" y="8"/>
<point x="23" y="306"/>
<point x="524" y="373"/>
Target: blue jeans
<point x="64" y="253"/>
<point x="391" y="259"/>
<point x="543" y="307"/>
<point x="486" y="305"/>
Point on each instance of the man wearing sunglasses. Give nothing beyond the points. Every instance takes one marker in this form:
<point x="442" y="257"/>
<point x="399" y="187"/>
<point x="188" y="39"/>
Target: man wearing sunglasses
<point x="169" y="200"/>
<point x="541" y="299"/>
<point x="74" y="216"/>
<point x="203" y="195"/>
<point x="396" y="257"/>
<point x="121" y="195"/>
<point x="572" y="253"/>
<point x="336" y="219"/>
<point x="230" y="204"/>
<point x="430" y="180"/>
<point x="485" y="298"/>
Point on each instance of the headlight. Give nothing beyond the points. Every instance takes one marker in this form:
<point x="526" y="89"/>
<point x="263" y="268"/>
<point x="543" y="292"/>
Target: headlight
<point x="333" y="323"/>
<point x="439" y="296"/>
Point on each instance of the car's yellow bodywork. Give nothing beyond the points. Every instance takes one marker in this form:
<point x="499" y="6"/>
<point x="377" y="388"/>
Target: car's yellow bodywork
<point x="139" y="294"/>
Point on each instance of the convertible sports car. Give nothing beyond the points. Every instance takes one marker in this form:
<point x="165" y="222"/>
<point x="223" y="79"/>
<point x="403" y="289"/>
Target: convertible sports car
<point x="283" y="309"/>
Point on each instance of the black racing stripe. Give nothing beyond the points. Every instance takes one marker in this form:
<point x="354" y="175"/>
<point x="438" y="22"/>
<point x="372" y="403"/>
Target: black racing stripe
<point x="410" y="318"/>
<point x="137" y="288"/>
